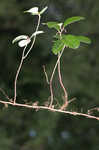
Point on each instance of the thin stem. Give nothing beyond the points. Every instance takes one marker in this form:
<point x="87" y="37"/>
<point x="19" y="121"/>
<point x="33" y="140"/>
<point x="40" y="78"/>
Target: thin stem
<point x="34" y="38"/>
<point x="22" y="59"/>
<point x="46" y="76"/>
<point x="17" y="74"/>
<point x="51" y="79"/>
<point x="62" y="85"/>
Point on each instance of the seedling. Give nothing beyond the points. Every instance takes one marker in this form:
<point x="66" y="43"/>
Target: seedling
<point x="62" y="40"/>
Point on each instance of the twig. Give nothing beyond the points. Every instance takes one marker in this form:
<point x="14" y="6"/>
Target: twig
<point x="50" y="109"/>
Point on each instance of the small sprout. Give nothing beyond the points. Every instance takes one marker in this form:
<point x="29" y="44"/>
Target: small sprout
<point x="33" y="11"/>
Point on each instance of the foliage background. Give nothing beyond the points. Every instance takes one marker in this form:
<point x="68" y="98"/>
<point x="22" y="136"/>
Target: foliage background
<point x="25" y="129"/>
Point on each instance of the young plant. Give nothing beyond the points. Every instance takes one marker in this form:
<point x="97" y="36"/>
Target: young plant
<point x="62" y="40"/>
<point x="24" y="40"/>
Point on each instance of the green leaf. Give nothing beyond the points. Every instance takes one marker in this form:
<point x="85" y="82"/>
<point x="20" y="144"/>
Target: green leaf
<point x="84" y="39"/>
<point x="58" y="46"/>
<point x="71" y="41"/>
<point x="54" y="25"/>
<point x="72" y="20"/>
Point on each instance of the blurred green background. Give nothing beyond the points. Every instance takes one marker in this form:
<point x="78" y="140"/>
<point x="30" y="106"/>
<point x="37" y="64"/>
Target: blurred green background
<point x="24" y="129"/>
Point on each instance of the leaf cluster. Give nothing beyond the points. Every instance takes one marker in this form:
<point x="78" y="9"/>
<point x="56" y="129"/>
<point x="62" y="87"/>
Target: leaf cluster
<point x="66" y="40"/>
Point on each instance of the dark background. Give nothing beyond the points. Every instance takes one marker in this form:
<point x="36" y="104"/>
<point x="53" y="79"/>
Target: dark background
<point x="24" y="129"/>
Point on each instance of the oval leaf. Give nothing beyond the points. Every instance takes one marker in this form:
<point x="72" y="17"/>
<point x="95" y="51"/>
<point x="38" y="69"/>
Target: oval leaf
<point x="71" y="41"/>
<point x="20" y="38"/>
<point x="58" y="46"/>
<point x="54" y="25"/>
<point x="72" y="20"/>
<point x="84" y="39"/>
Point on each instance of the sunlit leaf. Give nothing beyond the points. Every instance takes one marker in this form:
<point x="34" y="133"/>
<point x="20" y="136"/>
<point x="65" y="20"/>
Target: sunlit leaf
<point x="43" y="10"/>
<point x="20" y="38"/>
<point x="58" y="46"/>
<point x="84" y="39"/>
<point x="54" y="25"/>
<point x="72" y="20"/>
<point x="23" y="43"/>
<point x="71" y="41"/>
<point x="33" y="11"/>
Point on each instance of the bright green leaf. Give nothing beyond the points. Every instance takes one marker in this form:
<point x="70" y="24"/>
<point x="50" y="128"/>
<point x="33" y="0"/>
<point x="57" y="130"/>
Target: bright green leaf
<point x="54" y="25"/>
<point x="71" y="41"/>
<point x="58" y="46"/>
<point x="72" y="20"/>
<point x="84" y="39"/>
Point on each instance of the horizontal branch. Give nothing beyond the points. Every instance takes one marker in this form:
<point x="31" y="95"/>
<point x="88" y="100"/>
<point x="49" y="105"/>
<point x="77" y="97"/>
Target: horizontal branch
<point x="50" y="109"/>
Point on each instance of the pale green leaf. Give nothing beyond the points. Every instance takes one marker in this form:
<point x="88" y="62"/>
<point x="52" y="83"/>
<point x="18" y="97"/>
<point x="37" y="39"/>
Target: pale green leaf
<point x="72" y="20"/>
<point x="57" y="46"/>
<point x="84" y="39"/>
